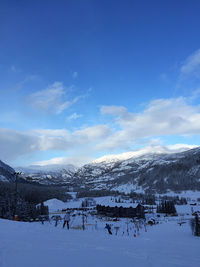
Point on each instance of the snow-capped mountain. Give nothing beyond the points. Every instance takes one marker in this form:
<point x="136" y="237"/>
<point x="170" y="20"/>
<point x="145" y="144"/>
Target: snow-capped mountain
<point x="144" y="151"/>
<point x="155" y="172"/>
<point x="6" y="173"/>
<point x="48" y="174"/>
<point x="46" y="168"/>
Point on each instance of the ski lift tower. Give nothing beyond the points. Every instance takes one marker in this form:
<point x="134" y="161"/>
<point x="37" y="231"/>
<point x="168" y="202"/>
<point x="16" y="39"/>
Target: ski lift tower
<point x="16" y="194"/>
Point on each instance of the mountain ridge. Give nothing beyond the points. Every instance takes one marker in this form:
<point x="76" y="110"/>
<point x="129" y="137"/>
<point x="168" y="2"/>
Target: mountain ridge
<point x="6" y="172"/>
<point x="150" y="173"/>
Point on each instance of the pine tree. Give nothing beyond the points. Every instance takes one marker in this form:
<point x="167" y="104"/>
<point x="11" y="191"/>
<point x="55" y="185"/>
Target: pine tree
<point x="167" y="207"/>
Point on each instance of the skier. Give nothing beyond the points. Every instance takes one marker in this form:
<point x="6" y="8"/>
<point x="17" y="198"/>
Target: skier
<point x="108" y="227"/>
<point x="57" y="218"/>
<point x="66" y="219"/>
<point x="96" y="225"/>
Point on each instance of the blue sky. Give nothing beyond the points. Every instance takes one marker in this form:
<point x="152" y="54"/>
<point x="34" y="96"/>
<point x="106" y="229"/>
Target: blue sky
<point x="80" y="79"/>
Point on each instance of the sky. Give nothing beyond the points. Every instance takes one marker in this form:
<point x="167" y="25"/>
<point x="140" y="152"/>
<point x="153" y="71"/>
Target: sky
<point x="84" y="79"/>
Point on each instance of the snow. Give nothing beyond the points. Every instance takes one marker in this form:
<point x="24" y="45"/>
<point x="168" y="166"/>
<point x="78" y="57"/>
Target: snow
<point x="33" y="244"/>
<point x="128" y="188"/>
<point x="149" y="151"/>
<point x="55" y="204"/>
<point x="42" y="168"/>
<point x="3" y="178"/>
<point x="187" y="209"/>
<point x="72" y="194"/>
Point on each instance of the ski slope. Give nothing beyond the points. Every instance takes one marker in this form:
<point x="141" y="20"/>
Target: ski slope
<point x="35" y="245"/>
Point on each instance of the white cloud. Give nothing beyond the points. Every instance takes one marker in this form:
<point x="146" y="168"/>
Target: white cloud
<point x="92" y="133"/>
<point x="77" y="160"/>
<point x="74" y="116"/>
<point x="113" y="110"/>
<point x="75" y="74"/>
<point x="192" y="64"/>
<point x="195" y="95"/>
<point x="52" y="99"/>
<point x="14" y="144"/>
<point x="161" y="117"/>
<point x="62" y="139"/>
<point x="119" y="112"/>
<point x="189" y="76"/>
<point x="50" y="139"/>
<point x="179" y="147"/>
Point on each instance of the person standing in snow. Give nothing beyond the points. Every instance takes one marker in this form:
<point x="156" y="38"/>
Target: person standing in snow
<point x="96" y="225"/>
<point x="108" y="227"/>
<point x="57" y="218"/>
<point x="66" y="220"/>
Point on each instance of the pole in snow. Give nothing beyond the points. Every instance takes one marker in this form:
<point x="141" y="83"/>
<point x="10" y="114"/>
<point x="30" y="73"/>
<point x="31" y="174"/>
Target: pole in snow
<point x="16" y="194"/>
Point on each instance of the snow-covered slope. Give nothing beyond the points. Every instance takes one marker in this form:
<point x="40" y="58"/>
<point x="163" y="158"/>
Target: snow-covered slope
<point x="55" y="204"/>
<point x="145" y="151"/>
<point x="48" y="174"/>
<point x="33" y="244"/>
<point x="46" y="168"/>
<point x="6" y="172"/>
<point x="153" y="171"/>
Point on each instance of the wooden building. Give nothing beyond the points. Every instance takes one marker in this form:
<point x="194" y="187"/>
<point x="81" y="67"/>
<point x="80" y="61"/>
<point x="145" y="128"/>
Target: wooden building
<point x="121" y="212"/>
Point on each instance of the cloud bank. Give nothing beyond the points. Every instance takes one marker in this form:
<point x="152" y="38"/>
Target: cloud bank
<point x="160" y="118"/>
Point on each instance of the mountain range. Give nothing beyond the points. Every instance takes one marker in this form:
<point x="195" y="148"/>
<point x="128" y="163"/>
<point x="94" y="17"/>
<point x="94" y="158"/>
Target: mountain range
<point x="48" y="174"/>
<point x="150" y="172"/>
<point x="145" y="172"/>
